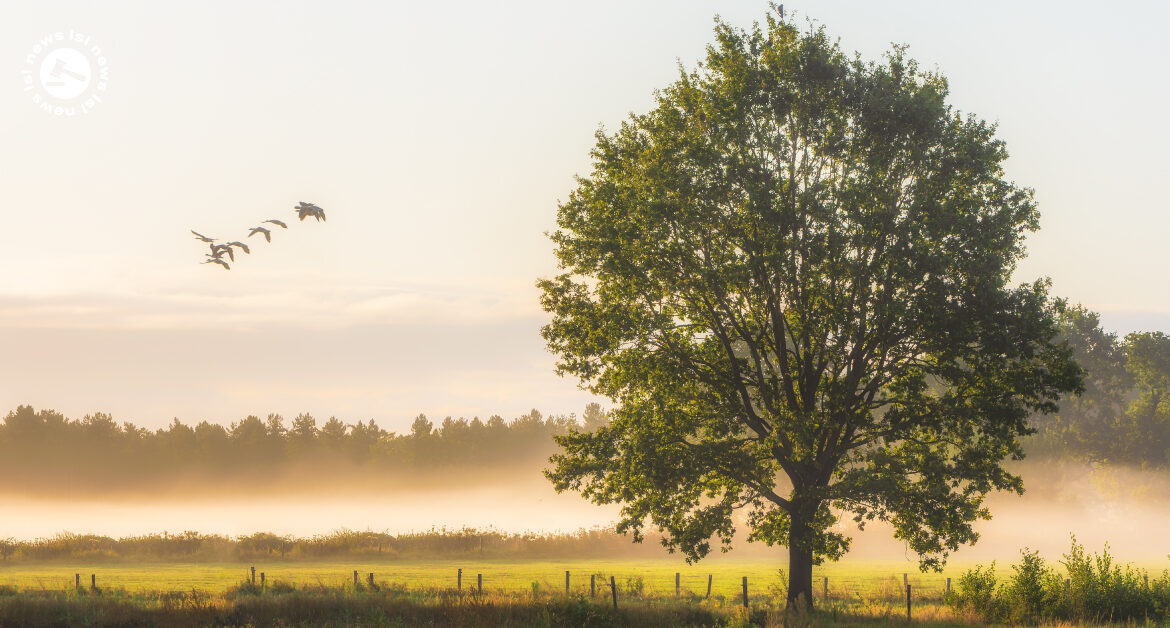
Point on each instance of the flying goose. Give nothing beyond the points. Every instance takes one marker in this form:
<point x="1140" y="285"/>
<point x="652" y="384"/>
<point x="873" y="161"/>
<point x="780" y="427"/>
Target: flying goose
<point x="267" y="233"/>
<point x="277" y="222"/>
<point x="242" y="246"/>
<point x="202" y="237"/>
<point x="216" y="260"/>
<point x="217" y="251"/>
<point x="304" y="209"/>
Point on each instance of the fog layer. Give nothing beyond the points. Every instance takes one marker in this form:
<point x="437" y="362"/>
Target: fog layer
<point x="1126" y="508"/>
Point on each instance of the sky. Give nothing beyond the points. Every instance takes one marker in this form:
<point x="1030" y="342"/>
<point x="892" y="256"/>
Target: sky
<point x="439" y="138"/>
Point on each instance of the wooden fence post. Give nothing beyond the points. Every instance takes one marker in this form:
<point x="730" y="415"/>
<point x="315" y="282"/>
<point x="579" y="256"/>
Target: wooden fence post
<point x="613" y="588"/>
<point x="93" y="581"/>
<point x="948" y="586"/>
<point x="261" y="579"/>
<point x="708" y="586"/>
<point x="907" y="602"/>
<point x="459" y="580"/>
<point x="826" y="588"/>
<point x="355" y="578"/>
<point x="253" y="574"/>
<point x="566" y="582"/>
<point x="479" y="583"/>
<point x="676" y="583"/>
<point x="592" y="585"/>
<point x="77" y="580"/>
<point x="371" y="580"/>
<point x="745" y="598"/>
<point x="905" y="579"/>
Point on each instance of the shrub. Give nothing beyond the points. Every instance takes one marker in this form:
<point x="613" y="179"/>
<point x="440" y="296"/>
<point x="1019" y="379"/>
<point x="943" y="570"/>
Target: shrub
<point x="975" y="591"/>
<point x="1095" y="590"/>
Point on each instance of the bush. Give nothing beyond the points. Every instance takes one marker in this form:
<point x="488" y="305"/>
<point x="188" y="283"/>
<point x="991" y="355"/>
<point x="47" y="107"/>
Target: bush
<point x="1095" y="590"/>
<point x="975" y="591"/>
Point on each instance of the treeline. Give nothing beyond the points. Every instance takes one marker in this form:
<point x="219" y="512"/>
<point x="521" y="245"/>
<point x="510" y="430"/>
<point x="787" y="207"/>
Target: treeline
<point x="264" y="546"/>
<point x="1123" y="417"/>
<point x="42" y="448"/>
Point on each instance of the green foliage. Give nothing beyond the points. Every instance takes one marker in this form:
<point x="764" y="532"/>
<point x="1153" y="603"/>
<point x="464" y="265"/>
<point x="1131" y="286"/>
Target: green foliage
<point x="635" y="587"/>
<point x="975" y="589"/>
<point x="1093" y="589"/>
<point x="792" y="278"/>
<point x="1122" y="416"/>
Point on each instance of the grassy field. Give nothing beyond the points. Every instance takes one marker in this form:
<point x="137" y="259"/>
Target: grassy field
<point x="518" y="593"/>
<point x="846" y="581"/>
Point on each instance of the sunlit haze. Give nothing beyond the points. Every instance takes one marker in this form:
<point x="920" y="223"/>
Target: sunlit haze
<point x="441" y="137"/>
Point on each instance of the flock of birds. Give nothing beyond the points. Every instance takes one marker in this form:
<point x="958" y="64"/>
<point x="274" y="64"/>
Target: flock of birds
<point x="218" y="251"/>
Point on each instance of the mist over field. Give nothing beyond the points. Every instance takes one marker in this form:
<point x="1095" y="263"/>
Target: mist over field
<point x="1122" y="506"/>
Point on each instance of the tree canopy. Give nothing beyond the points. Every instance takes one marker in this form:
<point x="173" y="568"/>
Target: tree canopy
<point x="793" y="278"/>
<point x="1123" y="416"/>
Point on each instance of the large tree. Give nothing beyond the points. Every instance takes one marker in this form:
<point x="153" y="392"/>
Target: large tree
<point x="791" y="276"/>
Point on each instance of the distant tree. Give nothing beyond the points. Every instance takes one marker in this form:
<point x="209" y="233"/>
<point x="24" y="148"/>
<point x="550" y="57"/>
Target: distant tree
<point x="302" y="436"/>
<point x="1145" y="429"/>
<point x="421" y="427"/>
<point x="362" y="438"/>
<point x="177" y="442"/>
<point x="792" y="278"/>
<point x="594" y="417"/>
<point x="274" y="427"/>
<point x="101" y="427"/>
<point x="1088" y="424"/>
<point x="250" y="438"/>
<point x="212" y="440"/>
<point x="333" y="433"/>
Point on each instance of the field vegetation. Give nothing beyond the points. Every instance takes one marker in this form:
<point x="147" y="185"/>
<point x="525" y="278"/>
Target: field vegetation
<point x="433" y="544"/>
<point x="1082" y="589"/>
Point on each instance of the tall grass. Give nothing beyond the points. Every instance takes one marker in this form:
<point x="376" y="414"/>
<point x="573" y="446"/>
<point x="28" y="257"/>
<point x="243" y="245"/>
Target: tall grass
<point x="282" y="604"/>
<point x="434" y="544"/>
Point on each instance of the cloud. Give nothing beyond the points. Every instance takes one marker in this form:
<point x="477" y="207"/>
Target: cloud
<point x="353" y="352"/>
<point x="251" y="303"/>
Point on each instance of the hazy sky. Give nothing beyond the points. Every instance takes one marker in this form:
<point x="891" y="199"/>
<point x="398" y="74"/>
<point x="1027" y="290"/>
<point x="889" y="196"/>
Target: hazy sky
<point x="439" y="137"/>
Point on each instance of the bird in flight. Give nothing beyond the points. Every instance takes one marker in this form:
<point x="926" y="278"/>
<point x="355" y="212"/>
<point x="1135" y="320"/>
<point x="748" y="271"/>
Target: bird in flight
<point x="217" y="251"/>
<point x="305" y="210"/>
<point x="243" y="247"/>
<point x="221" y="251"/>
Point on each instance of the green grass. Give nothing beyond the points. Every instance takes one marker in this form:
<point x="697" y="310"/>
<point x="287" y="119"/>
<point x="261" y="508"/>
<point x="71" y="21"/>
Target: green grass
<point x="342" y="604"/>
<point x="408" y="593"/>
<point x="415" y="592"/>
<point x="657" y="576"/>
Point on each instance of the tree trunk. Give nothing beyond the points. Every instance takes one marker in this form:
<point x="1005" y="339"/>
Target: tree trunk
<point x="800" y="564"/>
